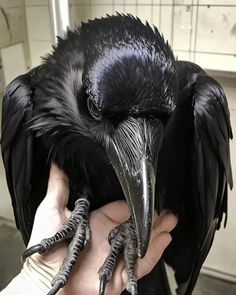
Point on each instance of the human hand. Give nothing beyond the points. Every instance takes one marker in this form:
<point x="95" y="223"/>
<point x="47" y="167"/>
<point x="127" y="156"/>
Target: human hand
<point x="52" y="213"/>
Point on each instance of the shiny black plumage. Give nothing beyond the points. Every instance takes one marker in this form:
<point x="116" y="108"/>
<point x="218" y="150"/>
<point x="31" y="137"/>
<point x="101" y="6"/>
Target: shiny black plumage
<point x="46" y="117"/>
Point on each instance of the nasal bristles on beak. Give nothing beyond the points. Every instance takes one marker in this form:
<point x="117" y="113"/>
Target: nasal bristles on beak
<point x="131" y="154"/>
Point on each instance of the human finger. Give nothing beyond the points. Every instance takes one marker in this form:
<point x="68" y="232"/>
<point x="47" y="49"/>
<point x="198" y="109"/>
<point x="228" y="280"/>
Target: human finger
<point x="117" y="211"/>
<point x="146" y="264"/>
<point x="154" y="253"/>
<point x="159" y="240"/>
<point x="166" y="221"/>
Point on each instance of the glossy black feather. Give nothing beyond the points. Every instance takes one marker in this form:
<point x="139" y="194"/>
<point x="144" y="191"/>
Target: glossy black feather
<point x="19" y="155"/>
<point x="127" y="71"/>
<point x="199" y="134"/>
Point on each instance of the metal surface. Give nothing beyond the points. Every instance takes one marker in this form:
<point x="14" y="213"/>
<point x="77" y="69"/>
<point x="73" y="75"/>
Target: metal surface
<point x="59" y="17"/>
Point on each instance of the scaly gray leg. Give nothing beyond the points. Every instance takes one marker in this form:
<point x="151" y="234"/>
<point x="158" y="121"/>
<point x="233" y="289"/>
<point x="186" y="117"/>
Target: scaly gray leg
<point x="77" y="230"/>
<point x="122" y="239"/>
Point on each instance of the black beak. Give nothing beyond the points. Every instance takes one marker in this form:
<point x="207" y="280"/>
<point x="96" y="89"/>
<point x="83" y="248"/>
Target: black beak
<point x="131" y="152"/>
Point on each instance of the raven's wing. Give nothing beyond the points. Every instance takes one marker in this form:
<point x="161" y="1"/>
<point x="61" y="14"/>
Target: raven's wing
<point x="20" y="153"/>
<point x="211" y="169"/>
<point x="211" y="162"/>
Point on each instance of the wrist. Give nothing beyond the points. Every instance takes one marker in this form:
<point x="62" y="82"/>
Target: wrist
<point x="28" y="282"/>
<point x="38" y="274"/>
<point x="34" y="278"/>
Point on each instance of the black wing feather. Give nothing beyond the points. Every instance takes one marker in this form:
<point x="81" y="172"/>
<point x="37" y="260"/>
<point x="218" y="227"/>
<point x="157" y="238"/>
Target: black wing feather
<point x="17" y="146"/>
<point x="211" y="146"/>
<point x="211" y="169"/>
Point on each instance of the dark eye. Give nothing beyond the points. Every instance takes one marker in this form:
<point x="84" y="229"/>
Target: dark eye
<point x="93" y="109"/>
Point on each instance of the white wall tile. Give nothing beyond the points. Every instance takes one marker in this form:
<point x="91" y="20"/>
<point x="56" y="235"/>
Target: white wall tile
<point x="38" y="23"/>
<point x="17" y="32"/>
<point x="185" y="2"/>
<point x="127" y="2"/>
<point x="78" y="14"/>
<point x="36" y="2"/>
<point x="156" y="16"/>
<point x="178" y="2"/>
<point x="98" y="2"/>
<point x="216" y="61"/>
<point x="12" y="3"/>
<point x="183" y="27"/>
<point x="194" y="28"/>
<point x="100" y="10"/>
<point x="38" y="49"/>
<point x="163" y="2"/>
<point x="146" y="2"/>
<point x="131" y="9"/>
<point x="119" y="8"/>
<point x="216" y="29"/>
<point x="144" y="12"/>
<point x="166" y="21"/>
<point x="13" y="62"/>
<point x="218" y="2"/>
<point x="120" y="2"/>
<point x="84" y="2"/>
<point x="181" y="55"/>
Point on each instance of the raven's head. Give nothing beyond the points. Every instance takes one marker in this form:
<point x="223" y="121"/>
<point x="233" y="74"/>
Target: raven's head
<point x="130" y="88"/>
<point x="114" y="83"/>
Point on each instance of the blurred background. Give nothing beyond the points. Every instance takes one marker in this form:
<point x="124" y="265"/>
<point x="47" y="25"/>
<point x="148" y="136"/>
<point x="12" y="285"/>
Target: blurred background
<point x="202" y="31"/>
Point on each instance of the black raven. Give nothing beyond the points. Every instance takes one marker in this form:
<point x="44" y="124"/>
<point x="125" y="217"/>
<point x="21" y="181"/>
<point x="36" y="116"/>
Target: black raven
<point x="113" y="108"/>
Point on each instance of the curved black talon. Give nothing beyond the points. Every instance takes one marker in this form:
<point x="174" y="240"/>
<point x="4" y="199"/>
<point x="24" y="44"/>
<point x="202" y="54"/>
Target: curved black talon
<point x="103" y="282"/>
<point x="122" y="240"/>
<point x="132" y="288"/>
<point x="76" y="230"/>
<point x="55" y="288"/>
<point x="32" y="250"/>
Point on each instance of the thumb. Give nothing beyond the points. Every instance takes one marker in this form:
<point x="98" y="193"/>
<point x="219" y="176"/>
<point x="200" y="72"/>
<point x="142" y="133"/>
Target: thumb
<point x="58" y="188"/>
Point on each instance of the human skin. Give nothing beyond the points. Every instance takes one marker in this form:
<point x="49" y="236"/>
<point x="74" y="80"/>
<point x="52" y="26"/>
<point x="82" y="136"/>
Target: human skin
<point x="84" y="279"/>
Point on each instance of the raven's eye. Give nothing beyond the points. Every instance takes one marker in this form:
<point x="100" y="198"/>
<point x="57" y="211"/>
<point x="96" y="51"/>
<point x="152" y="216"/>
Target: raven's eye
<point x="93" y="109"/>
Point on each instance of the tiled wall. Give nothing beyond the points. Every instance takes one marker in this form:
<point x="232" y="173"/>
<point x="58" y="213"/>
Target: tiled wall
<point x="39" y="30"/>
<point x="12" y="22"/>
<point x="203" y="31"/>
<point x="13" y="38"/>
<point x="12" y="31"/>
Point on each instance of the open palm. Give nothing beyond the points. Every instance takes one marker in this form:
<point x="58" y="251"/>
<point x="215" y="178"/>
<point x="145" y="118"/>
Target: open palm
<point x="52" y="213"/>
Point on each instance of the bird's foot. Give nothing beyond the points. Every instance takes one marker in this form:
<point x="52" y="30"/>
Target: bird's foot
<point x="77" y="230"/>
<point x="122" y="239"/>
